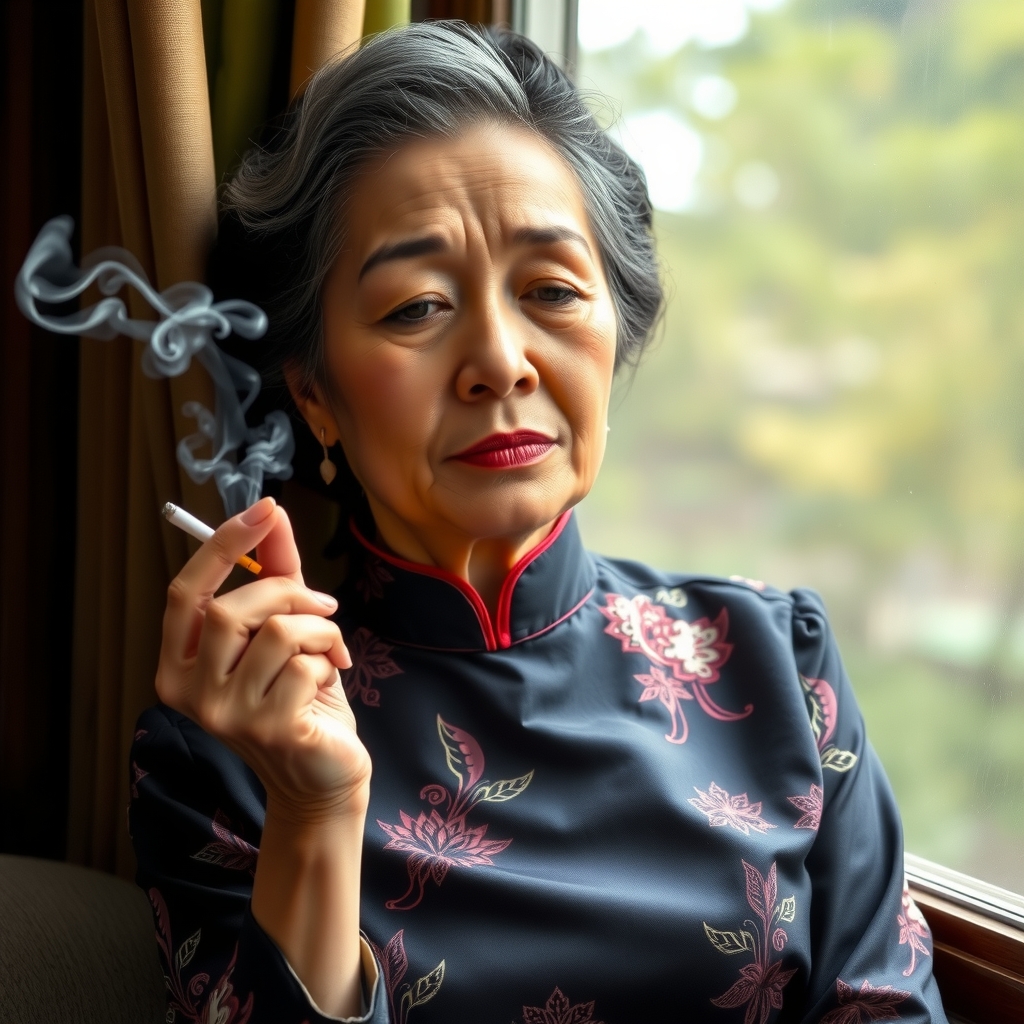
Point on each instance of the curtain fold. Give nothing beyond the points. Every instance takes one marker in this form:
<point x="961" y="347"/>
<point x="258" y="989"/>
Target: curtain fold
<point x="147" y="133"/>
<point x="323" y="29"/>
<point x="384" y="14"/>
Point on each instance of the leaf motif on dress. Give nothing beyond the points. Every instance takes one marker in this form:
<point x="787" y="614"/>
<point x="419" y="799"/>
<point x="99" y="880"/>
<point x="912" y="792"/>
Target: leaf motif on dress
<point x="871" y="1003"/>
<point x="403" y="997"/>
<point x="838" y="760"/>
<point x="228" y="850"/>
<point x="787" y="909"/>
<point x="187" y="950"/>
<point x="822" y="708"/>
<point x="735" y="811"/>
<point x="463" y="753"/>
<point x="760" y="984"/>
<point x="393" y="960"/>
<point x="428" y="986"/>
<point x="730" y="942"/>
<point x="435" y="842"/>
<point x="221" y="1005"/>
<point x="761" y="890"/>
<point x="499" y="792"/>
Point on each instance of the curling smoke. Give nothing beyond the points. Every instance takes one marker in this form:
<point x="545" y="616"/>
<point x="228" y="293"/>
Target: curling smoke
<point x="189" y="322"/>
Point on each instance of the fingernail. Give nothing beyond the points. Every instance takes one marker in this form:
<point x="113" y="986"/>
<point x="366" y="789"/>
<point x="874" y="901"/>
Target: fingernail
<point x="325" y="599"/>
<point x="255" y="514"/>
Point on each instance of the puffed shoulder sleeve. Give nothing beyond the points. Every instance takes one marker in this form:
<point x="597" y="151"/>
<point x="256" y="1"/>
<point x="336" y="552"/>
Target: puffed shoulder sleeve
<point x="195" y="818"/>
<point x="871" y="948"/>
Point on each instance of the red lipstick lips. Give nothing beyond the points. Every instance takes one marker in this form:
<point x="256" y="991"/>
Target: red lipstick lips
<point x="507" y="451"/>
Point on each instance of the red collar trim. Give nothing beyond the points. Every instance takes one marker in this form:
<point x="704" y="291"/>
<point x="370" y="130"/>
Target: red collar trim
<point x="497" y="633"/>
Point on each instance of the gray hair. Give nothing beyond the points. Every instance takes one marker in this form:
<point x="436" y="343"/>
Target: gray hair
<point x="283" y="223"/>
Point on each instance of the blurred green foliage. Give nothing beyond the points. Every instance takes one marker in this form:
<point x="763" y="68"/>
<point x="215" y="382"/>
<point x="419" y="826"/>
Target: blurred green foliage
<point x="837" y="398"/>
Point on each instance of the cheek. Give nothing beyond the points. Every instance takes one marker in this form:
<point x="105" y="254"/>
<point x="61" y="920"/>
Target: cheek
<point x="389" y="410"/>
<point x="581" y="387"/>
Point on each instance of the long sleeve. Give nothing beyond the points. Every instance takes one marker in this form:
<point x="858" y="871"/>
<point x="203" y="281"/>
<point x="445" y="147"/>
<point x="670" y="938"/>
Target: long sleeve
<point x="196" y="816"/>
<point x="871" y="949"/>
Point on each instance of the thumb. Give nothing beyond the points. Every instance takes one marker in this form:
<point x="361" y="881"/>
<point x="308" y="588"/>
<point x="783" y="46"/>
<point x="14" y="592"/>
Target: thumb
<point x="277" y="552"/>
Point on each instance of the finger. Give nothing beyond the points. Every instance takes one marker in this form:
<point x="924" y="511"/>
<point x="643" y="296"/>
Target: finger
<point x="192" y="589"/>
<point x="233" y="618"/>
<point x="254" y="603"/>
<point x="295" y="687"/>
<point x="277" y="552"/>
<point x="280" y="638"/>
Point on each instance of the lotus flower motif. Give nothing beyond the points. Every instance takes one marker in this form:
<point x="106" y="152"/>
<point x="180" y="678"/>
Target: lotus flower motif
<point x="436" y="842"/>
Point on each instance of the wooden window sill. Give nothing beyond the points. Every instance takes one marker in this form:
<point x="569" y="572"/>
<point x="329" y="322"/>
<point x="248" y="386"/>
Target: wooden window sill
<point x="978" y="933"/>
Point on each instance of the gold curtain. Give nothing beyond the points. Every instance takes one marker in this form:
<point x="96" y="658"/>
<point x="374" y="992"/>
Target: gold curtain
<point x="148" y="183"/>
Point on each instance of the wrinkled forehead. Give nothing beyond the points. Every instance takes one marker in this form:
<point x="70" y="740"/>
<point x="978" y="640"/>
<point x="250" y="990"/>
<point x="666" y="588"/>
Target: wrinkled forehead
<point x="481" y="186"/>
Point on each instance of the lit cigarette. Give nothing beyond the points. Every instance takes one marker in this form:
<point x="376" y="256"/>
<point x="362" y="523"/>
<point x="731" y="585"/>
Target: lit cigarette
<point x="198" y="529"/>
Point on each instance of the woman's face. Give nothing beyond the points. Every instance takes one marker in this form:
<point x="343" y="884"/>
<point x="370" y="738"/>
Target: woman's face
<point x="469" y="337"/>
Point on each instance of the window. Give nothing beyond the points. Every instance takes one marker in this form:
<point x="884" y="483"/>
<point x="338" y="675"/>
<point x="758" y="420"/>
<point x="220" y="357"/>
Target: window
<point x="837" y="400"/>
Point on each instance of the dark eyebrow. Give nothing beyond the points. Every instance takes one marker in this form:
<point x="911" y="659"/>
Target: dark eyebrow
<point x="403" y="251"/>
<point x="547" y="236"/>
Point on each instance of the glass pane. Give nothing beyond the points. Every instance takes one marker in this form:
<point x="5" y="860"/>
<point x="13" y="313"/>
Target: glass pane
<point x="837" y="398"/>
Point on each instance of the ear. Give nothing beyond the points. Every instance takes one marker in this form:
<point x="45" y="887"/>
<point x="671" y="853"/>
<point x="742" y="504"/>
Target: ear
<point x="310" y="401"/>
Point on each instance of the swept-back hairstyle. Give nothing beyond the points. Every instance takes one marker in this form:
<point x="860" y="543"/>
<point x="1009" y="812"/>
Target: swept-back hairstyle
<point x="283" y="220"/>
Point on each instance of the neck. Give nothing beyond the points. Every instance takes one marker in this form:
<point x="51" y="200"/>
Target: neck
<point x="483" y="562"/>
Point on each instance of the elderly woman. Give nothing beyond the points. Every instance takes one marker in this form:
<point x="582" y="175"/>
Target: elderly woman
<point x="495" y="778"/>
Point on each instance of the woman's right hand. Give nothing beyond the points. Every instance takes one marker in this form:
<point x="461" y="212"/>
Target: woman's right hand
<point x="258" y="668"/>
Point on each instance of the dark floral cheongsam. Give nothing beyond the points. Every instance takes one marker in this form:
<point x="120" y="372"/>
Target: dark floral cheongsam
<point x="631" y="797"/>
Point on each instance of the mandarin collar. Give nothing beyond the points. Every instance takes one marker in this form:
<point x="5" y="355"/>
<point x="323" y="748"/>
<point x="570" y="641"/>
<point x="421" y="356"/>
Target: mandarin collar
<point x="424" y="606"/>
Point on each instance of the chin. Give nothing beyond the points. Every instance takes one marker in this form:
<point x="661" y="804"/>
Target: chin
<point x="510" y="511"/>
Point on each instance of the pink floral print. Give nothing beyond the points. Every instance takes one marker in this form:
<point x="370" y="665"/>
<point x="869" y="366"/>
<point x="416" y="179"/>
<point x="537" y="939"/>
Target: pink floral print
<point x="869" y="1004"/>
<point x="760" y="984"/>
<point x="670" y="692"/>
<point x="811" y="805"/>
<point x="138" y="774"/>
<point x="228" y="850"/>
<point x="693" y="652"/>
<point x="371" y="660"/>
<point x="404" y="996"/>
<point x="434" y="842"/>
<point x="375" y="575"/>
<point x="221" y="1005"/>
<point x="735" y="811"/>
<point x="913" y="930"/>
<point x="558" y="1010"/>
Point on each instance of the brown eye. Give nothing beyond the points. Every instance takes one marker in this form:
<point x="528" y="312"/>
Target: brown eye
<point x="554" y="294"/>
<point x="415" y="312"/>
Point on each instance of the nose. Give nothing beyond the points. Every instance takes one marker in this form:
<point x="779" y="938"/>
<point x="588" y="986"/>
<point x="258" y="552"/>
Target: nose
<point x="495" y="363"/>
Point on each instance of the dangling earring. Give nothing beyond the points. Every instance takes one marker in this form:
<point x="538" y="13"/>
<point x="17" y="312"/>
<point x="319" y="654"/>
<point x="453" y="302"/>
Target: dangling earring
<point x="328" y="470"/>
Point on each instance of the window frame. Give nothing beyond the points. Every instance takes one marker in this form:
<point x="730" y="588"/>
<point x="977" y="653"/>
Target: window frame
<point x="978" y="942"/>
